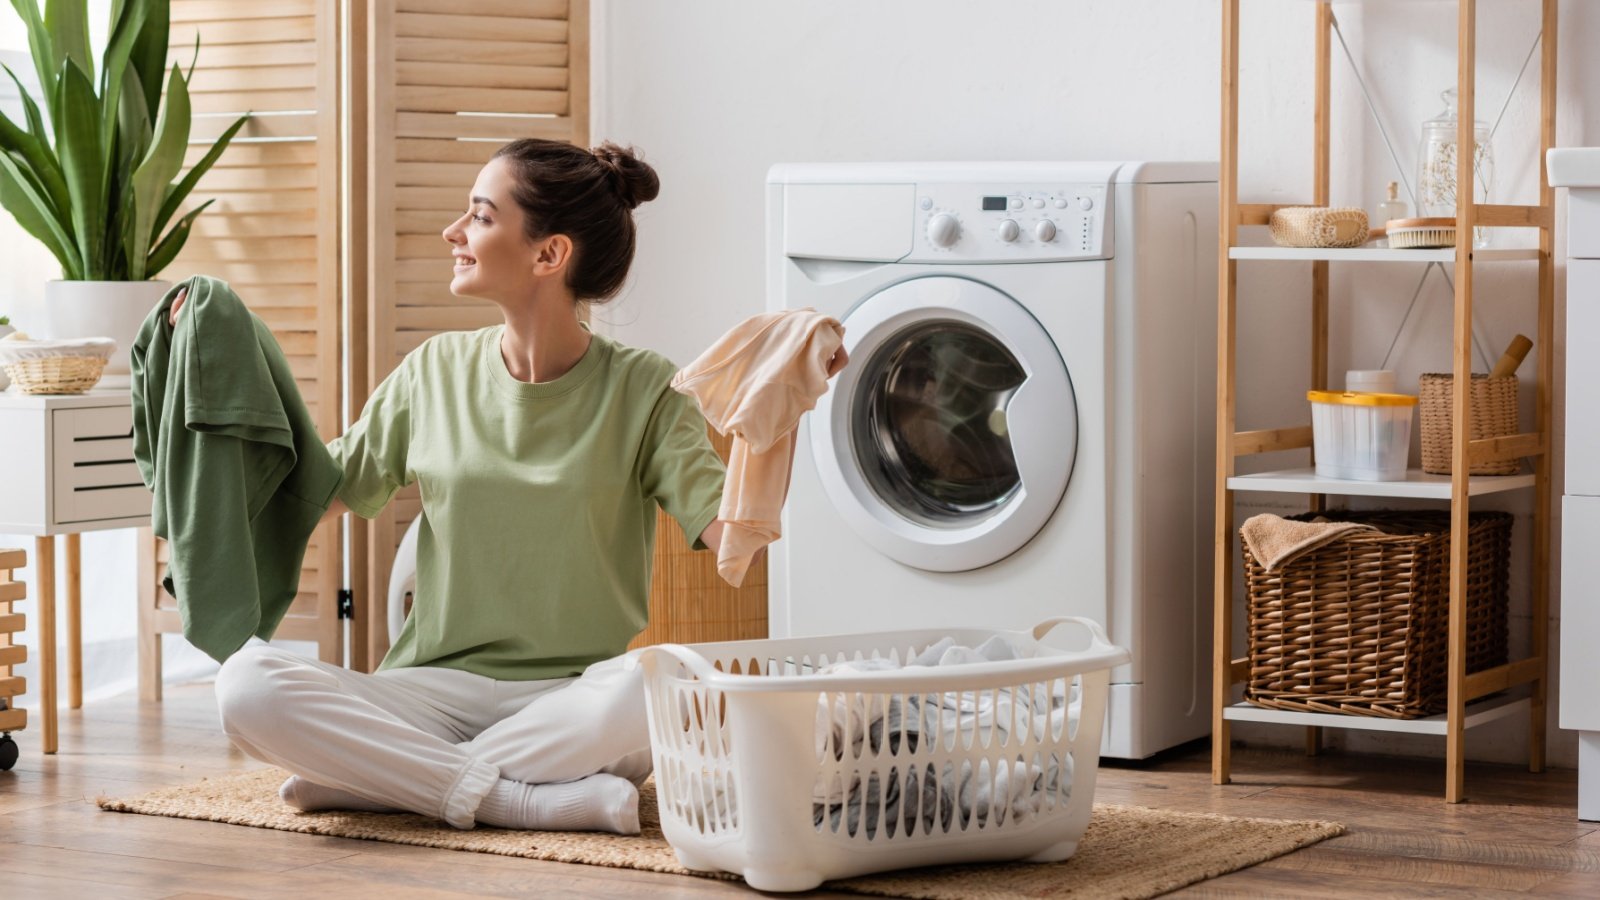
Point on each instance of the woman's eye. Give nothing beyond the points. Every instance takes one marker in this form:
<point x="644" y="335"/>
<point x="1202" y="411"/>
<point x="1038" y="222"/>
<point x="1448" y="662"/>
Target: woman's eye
<point x="483" y="219"/>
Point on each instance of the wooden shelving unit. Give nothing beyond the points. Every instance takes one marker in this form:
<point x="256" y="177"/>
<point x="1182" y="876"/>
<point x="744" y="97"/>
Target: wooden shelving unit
<point x="1470" y="702"/>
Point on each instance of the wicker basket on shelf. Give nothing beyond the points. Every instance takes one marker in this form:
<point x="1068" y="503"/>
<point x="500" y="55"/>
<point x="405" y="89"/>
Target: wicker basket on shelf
<point x="1361" y="625"/>
<point x="1494" y="413"/>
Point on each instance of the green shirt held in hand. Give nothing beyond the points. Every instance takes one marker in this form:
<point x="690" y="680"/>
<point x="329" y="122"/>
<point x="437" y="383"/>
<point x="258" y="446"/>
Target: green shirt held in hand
<point x="538" y="500"/>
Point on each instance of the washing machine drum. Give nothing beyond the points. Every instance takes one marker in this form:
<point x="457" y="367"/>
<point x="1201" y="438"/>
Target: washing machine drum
<point x="948" y="441"/>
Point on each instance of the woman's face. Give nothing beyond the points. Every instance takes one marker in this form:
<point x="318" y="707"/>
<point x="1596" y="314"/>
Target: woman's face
<point x="492" y="255"/>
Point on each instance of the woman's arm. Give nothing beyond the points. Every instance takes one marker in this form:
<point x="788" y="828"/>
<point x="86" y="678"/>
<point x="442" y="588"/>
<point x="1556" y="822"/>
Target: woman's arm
<point x="338" y="509"/>
<point x="712" y="536"/>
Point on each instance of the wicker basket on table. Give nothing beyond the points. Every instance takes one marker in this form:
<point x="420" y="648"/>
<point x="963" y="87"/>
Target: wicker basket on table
<point x="1361" y="625"/>
<point x="55" y="366"/>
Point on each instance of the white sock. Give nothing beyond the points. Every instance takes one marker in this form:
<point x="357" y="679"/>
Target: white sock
<point x="308" y="796"/>
<point x="597" y="803"/>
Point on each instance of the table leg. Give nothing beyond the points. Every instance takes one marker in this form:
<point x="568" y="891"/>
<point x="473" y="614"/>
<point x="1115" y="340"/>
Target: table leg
<point x="74" y="621"/>
<point x="149" y="637"/>
<point x="45" y="574"/>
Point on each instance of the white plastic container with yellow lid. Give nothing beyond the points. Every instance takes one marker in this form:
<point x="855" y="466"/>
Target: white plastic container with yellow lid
<point x="1360" y="436"/>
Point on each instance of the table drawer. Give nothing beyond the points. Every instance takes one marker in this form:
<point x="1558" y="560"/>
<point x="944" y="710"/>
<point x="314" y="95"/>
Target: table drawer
<point x="95" y="474"/>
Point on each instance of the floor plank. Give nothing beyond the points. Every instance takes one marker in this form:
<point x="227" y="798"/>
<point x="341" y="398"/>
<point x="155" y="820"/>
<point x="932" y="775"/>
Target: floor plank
<point x="1518" y="836"/>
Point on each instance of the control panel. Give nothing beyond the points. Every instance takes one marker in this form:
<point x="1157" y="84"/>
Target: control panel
<point x="1009" y="223"/>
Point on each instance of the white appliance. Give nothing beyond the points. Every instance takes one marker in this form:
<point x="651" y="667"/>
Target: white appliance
<point x="1579" y="170"/>
<point x="1025" y="427"/>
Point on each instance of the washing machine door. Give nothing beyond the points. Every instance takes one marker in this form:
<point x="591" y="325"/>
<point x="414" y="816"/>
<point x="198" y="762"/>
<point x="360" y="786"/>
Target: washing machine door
<point x="948" y="441"/>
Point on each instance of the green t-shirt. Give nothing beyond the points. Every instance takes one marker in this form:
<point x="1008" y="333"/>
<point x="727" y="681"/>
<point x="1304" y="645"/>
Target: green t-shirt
<point x="539" y="500"/>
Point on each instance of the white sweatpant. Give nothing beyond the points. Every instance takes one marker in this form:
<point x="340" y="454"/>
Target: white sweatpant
<point x="431" y="740"/>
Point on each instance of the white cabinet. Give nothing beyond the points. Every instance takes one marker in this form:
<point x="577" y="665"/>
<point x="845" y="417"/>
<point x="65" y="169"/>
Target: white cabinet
<point x="1579" y="170"/>
<point x="1583" y="374"/>
<point x="66" y="464"/>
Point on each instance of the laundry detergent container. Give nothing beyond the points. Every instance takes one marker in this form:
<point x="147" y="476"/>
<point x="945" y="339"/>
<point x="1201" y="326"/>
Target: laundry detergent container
<point x="776" y="762"/>
<point x="1359" y="436"/>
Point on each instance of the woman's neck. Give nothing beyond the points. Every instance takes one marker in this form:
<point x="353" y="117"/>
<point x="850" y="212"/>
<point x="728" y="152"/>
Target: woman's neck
<point x="543" y="339"/>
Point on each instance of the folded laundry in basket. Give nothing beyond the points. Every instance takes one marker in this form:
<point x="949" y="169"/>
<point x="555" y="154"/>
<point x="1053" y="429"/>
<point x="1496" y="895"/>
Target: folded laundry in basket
<point x="1275" y="541"/>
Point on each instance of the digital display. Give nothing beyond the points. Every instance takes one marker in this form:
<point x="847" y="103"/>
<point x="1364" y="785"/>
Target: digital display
<point x="993" y="203"/>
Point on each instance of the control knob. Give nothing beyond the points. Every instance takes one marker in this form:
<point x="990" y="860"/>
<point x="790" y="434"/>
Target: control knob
<point x="1045" y="230"/>
<point x="943" y="230"/>
<point x="1009" y="230"/>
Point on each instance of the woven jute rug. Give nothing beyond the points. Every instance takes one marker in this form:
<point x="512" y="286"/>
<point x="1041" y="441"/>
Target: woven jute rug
<point x="1128" y="851"/>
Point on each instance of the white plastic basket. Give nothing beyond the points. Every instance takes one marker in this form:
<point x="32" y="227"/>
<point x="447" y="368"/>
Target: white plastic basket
<point x="1360" y="436"/>
<point x="789" y="777"/>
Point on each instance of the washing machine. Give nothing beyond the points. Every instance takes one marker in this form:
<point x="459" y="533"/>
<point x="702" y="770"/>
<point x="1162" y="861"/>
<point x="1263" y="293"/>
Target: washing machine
<point x="1025" y="427"/>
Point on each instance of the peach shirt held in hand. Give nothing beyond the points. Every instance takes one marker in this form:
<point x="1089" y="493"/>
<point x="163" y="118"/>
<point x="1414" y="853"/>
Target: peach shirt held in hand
<point x="754" y="384"/>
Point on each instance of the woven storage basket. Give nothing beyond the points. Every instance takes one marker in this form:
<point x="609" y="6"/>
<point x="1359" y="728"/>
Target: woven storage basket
<point x="1494" y="413"/>
<point x="56" y="374"/>
<point x="1361" y="625"/>
<point x="1316" y="226"/>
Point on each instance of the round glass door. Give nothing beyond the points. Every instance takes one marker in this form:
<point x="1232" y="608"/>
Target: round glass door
<point x="948" y="441"/>
<point x="929" y="423"/>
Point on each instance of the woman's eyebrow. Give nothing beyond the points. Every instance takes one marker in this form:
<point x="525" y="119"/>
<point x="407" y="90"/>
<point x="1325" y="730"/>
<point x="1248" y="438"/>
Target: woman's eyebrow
<point x="486" y="202"/>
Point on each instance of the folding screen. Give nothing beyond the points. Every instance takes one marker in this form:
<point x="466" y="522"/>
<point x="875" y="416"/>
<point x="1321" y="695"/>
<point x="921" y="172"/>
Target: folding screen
<point x="273" y="234"/>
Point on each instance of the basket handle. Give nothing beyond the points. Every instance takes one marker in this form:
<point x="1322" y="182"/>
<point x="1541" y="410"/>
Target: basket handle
<point x="694" y="662"/>
<point x="1097" y="635"/>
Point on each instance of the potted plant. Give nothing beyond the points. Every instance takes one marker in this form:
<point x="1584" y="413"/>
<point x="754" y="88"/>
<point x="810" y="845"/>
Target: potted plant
<point x="94" y="175"/>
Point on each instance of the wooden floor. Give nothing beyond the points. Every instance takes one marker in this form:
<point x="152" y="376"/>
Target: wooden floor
<point x="1518" y="835"/>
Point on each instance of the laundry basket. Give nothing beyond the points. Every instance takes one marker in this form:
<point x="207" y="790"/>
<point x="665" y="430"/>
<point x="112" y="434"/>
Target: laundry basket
<point x="771" y="768"/>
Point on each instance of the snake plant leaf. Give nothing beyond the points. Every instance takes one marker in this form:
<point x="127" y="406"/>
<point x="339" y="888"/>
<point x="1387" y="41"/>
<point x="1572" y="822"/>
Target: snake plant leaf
<point x="149" y="54"/>
<point x="79" y="141"/>
<point x="119" y="48"/>
<point x="133" y="121"/>
<point x="166" y="251"/>
<point x="35" y="119"/>
<point x="40" y="162"/>
<point x="159" y="167"/>
<point x="32" y="212"/>
<point x="40" y="47"/>
<point x="68" y="24"/>
<point x="181" y="190"/>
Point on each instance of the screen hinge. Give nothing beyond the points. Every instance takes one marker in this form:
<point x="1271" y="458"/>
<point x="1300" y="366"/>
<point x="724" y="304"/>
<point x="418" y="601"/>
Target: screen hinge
<point x="347" y="604"/>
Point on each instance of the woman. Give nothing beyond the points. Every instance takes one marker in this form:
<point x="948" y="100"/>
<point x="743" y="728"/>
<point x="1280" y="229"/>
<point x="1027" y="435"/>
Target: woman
<point x="542" y="451"/>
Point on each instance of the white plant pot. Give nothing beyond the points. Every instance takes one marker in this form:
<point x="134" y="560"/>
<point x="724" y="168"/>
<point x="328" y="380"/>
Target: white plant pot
<point x="113" y="309"/>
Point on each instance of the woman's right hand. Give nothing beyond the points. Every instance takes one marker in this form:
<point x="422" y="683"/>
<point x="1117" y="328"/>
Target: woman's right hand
<point x="177" y="304"/>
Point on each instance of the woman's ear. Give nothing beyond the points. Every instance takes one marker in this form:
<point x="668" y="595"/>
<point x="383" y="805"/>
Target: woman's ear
<point x="552" y="255"/>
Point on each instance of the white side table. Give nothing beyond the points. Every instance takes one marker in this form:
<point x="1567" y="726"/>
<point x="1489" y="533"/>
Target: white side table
<point x="69" y="468"/>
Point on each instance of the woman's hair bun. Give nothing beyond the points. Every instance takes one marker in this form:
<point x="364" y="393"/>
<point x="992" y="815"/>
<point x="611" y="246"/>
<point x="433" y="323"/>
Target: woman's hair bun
<point x="633" y="178"/>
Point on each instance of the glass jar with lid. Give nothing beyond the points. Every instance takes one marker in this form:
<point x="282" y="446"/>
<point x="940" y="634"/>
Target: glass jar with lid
<point x="1436" y="179"/>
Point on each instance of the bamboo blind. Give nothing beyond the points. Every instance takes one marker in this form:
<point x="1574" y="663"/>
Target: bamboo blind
<point x="273" y="232"/>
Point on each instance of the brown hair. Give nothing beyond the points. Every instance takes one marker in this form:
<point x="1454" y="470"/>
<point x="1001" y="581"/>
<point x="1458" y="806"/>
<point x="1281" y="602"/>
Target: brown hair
<point x="587" y="195"/>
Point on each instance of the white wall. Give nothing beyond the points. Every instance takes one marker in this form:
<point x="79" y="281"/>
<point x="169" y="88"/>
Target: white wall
<point x="716" y="91"/>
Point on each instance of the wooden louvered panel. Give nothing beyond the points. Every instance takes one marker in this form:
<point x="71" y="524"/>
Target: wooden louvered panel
<point x="515" y="68"/>
<point x="485" y="52"/>
<point x="272" y="231"/>
<point x="473" y="74"/>
<point x="230" y="32"/>
<point x="201" y="11"/>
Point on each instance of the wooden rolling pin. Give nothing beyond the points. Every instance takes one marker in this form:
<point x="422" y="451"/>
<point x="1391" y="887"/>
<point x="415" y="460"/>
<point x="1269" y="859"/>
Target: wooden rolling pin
<point x="1512" y="358"/>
